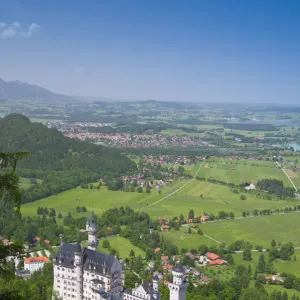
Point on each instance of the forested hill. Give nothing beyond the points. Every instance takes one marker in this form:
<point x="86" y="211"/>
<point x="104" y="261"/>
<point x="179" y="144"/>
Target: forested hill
<point x="51" y="150"/>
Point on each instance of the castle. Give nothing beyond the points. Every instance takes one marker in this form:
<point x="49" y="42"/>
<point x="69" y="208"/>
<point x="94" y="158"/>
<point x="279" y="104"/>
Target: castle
<point x="82" y="273"/>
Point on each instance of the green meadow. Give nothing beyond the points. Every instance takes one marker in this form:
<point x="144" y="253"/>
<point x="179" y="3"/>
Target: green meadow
<point x="257" y="230"/>
<point x="287" y="266"/>
<point x="215" y="198"/>
<point x="244" y="171"/>
<point x="122" y="245"/>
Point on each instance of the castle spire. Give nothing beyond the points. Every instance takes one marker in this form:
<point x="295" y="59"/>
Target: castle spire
<point x="91" y="228"/>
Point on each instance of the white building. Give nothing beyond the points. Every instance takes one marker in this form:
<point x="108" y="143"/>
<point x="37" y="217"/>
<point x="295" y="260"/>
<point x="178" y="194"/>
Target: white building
<point x="179" y="285"/>
<point x="147" y="290"/>
<point x="33" y="264"/>
<point x="85" y="274"/>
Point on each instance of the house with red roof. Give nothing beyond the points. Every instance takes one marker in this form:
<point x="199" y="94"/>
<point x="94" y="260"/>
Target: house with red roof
<point x="204" y="219"/>
<point x="164" y="228"/>
<point x="156" y="250"/>
<point x="214" y="259"/>
<point x="35" y="263"/>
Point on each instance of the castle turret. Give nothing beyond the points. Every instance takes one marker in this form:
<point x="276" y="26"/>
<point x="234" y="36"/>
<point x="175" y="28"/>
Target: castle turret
<point x="92" y="233"/>
<point x="179" y="285"/>
<point x="78" y="264"/>
<point x="155" y="283"/>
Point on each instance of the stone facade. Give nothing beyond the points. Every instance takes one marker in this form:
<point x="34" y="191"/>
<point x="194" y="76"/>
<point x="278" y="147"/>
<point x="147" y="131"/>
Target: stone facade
<point x="85" y="274"/>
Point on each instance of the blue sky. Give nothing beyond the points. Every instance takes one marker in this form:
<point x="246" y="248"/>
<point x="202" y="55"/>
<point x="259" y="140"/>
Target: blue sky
<point x="245" y="51"/>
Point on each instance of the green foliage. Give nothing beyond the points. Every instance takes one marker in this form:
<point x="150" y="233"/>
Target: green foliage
<point x="247" y="254"/>
<point x="61" y="163"/>
<point x="276" y="187"/>
<point x="105" y="244"/>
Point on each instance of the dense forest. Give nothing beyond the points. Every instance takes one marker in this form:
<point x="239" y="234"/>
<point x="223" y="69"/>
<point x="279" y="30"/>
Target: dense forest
<point x="49" y="149"/>
<point x="61" y="163"/>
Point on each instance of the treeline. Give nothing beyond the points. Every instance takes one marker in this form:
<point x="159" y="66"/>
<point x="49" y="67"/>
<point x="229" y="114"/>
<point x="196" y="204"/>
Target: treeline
<point x="45" y="211"/>
<point x="250" y="127"/>
<point x="54" y="182"/>
<point x="275" y="186"/>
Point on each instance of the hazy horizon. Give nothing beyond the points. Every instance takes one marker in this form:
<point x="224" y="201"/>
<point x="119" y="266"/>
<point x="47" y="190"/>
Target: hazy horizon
<point x="197" y="51"/>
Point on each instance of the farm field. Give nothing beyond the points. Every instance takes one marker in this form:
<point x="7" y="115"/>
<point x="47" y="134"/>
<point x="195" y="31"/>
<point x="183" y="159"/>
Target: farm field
<point x="215" y="198"/>
<point x="122" y="245"/>
<point x="184" y="240"/>
<point x="242" y="171"/>
<point x="259" y="230"/>
<point x="288" y="266"/>
<point x="97" y="200"/>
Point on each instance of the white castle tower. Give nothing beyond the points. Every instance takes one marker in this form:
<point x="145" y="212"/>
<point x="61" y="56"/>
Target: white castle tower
<point x="78" y="264"/>
<point x="155" y="285"/>
<point x="179" y="285"/>
<point x="91" y="228"/>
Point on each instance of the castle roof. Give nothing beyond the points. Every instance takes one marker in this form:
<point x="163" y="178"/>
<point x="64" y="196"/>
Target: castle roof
<point x="156" y="278"/>
<point x="147" y="287"/>
<point x="77" y="248"/>
<point x="179" y="269"/>
<point x="92" y="260"/>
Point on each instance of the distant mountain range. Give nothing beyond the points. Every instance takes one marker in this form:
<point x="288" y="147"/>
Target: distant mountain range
<point x="17" y="90"/>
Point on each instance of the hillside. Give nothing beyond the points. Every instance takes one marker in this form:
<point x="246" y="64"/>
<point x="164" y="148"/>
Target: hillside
<point x="17" y="90"/>
<point x="49" y="149"/>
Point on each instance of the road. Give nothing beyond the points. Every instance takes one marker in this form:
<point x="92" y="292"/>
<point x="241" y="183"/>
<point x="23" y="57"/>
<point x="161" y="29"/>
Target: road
<point x="180" y="188"/>
<point x="278" y="164"/>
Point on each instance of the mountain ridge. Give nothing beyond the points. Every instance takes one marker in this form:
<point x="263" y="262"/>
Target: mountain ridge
<point x="18" y="90"/>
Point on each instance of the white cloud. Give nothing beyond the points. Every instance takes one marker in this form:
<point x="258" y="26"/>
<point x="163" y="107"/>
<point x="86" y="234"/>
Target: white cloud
<point x="32" y="29"/>
<point x="9" y="32"/>
<point x="16" y="30"/>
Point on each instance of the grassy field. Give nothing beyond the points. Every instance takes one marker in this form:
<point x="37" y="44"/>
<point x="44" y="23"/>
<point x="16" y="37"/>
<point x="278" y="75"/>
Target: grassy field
<point x="284" y="228"/>
<point x="184" y="240"/>
<point x="271" y="288"/>
<point x="288" y="266"/>
<point x="122" y="245"/>
<point x="258" y="231"/>
<point x="215" y="198"/>
<point x="244" y="171"/>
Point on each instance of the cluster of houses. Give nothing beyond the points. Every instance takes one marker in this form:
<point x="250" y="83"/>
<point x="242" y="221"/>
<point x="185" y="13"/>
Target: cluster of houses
<point x="127" y="140"/>
<point x="140" y="181"/>
<point x="209" y="259"/>
<point x="74" y="127"/>
<point x="167" y="159"/>
<point x="165" y="227"/>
